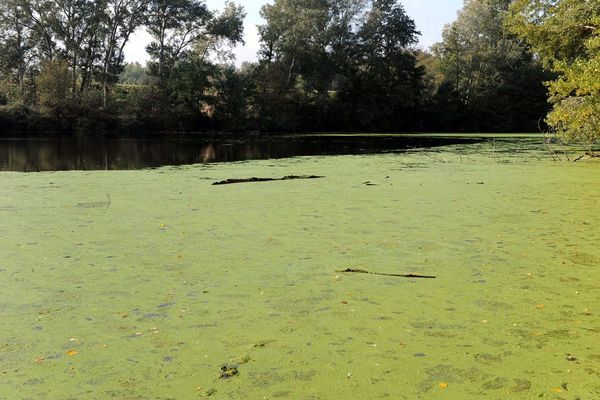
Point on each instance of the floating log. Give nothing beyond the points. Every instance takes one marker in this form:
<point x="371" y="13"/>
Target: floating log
<point x="250" y="180"/>
<point x="362" y="271"/>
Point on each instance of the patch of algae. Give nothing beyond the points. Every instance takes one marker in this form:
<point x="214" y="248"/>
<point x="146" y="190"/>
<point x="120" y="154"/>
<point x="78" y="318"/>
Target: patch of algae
<point x="143" y="284"/>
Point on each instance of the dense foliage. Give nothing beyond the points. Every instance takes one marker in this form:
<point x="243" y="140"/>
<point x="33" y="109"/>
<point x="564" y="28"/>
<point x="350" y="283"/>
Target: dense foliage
<point x="490" y="80"/>
<point x="566" y="35"/>
<point x="65" y="60"/>
<point x="323" y="65"/>
<point x="338" y="65"/>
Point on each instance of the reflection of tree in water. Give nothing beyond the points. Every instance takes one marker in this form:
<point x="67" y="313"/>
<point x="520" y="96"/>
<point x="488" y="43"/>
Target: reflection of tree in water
<point x="93" y="153"/>
<point x="208" y="153"/>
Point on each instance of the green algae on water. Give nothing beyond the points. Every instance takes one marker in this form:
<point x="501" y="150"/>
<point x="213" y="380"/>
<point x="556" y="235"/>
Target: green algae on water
<point x="140" y="284"/>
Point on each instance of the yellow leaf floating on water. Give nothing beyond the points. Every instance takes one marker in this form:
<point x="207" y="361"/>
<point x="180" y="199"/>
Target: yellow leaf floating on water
<point x="72" y="353"/>
<point x="540" y="306"/>
<point x="557" y="390"/>
<point x="443" y="385"/>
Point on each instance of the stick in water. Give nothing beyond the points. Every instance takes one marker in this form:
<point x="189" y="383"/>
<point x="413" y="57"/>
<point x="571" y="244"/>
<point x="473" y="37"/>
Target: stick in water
<point x="362" y="271"/>
<point x="249" y="180"/>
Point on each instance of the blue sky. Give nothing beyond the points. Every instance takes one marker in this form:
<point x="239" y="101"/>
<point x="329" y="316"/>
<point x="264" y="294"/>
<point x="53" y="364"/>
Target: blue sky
<point x="429" y="15"/>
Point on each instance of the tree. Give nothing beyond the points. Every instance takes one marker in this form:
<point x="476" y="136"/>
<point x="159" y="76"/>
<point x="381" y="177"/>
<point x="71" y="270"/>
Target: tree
<point x="185" y="34"/>
<point x="174" y="26"/>
<point x="384" y="89"/>
<point x="566" y="36"/>
<point x="42" y="41"/>
<point x="233" y="88"/>
<point x="295" y="67"/>
<point x="40" y="19"/>
<point x="122" y="18"/>
<point x="16" y="44"/>
<point x="53" y="86"/>
<point x="335" y="61"/>
<point x="298" y="36"/>
<point x="223" y="31"/>
<point x="89" y="35"/>
<point x="491" y="80"/>
<point x="75" y="25"/>
<point x="134" y="74"/>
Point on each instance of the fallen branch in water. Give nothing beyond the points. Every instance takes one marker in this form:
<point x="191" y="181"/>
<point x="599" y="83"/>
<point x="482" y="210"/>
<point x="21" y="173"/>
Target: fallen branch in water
<point x="362" y="271"/>
<point x="586" y="157"/>
<point x="249" y="180"/>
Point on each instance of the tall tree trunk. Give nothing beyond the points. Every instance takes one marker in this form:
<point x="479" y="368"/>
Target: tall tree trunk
<point x="291" y="70"/>
<point x="74" y="76"/>
<point x="105" y="72"/>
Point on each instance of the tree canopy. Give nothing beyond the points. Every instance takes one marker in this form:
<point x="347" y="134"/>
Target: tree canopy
<point x="491" y="81"/>
<point x="347" y="64"/>
<point x="566" y="36"/>
<point x="323" y="65"/>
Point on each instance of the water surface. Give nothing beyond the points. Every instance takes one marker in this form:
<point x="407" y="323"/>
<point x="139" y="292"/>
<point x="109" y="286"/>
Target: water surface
<point x="143" y="284"/>
<point x="64" y="153"/>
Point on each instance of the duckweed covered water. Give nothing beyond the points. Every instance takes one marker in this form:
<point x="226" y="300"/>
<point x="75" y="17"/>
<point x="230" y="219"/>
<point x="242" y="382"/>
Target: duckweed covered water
<point x="144" y="284"/>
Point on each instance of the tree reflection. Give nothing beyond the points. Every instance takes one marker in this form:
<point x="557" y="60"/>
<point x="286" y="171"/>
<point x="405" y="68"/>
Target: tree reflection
<point x="92" y="153"/>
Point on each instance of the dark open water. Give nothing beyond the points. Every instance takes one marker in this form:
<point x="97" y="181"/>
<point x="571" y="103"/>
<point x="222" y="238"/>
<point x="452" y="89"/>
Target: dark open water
<point x="93" y="153"/>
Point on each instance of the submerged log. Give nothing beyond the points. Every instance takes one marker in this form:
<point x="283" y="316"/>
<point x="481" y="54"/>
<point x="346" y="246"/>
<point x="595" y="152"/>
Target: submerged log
<point x="362" y="271"/>
<point x="249" y="180"/>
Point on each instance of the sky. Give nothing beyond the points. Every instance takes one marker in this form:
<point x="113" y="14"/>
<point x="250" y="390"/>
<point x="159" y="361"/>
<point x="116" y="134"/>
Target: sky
<point x="429" y="15"/>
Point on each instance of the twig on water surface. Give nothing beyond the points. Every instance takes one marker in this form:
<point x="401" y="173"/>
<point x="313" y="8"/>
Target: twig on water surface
<point x="517" y="151"/>
<point x="493" y="152"/>
<point x="362" y="271"/>
<point x="586" y="156"/>
<point x="562" y="147"/>
<point x="254" y="179"/>
<point x="427" y="154"/>
<point x="466" y="155"/>
<point x="548" y="141"/>
<point x="532" y="155"/>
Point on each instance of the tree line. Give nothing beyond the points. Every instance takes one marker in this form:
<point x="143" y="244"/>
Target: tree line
<point x="62" y="59"/>
<point x="324" y="65"/>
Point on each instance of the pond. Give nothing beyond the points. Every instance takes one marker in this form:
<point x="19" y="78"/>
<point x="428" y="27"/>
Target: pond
<point x="143" y="284"/>
<point x="64" y="153"/>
